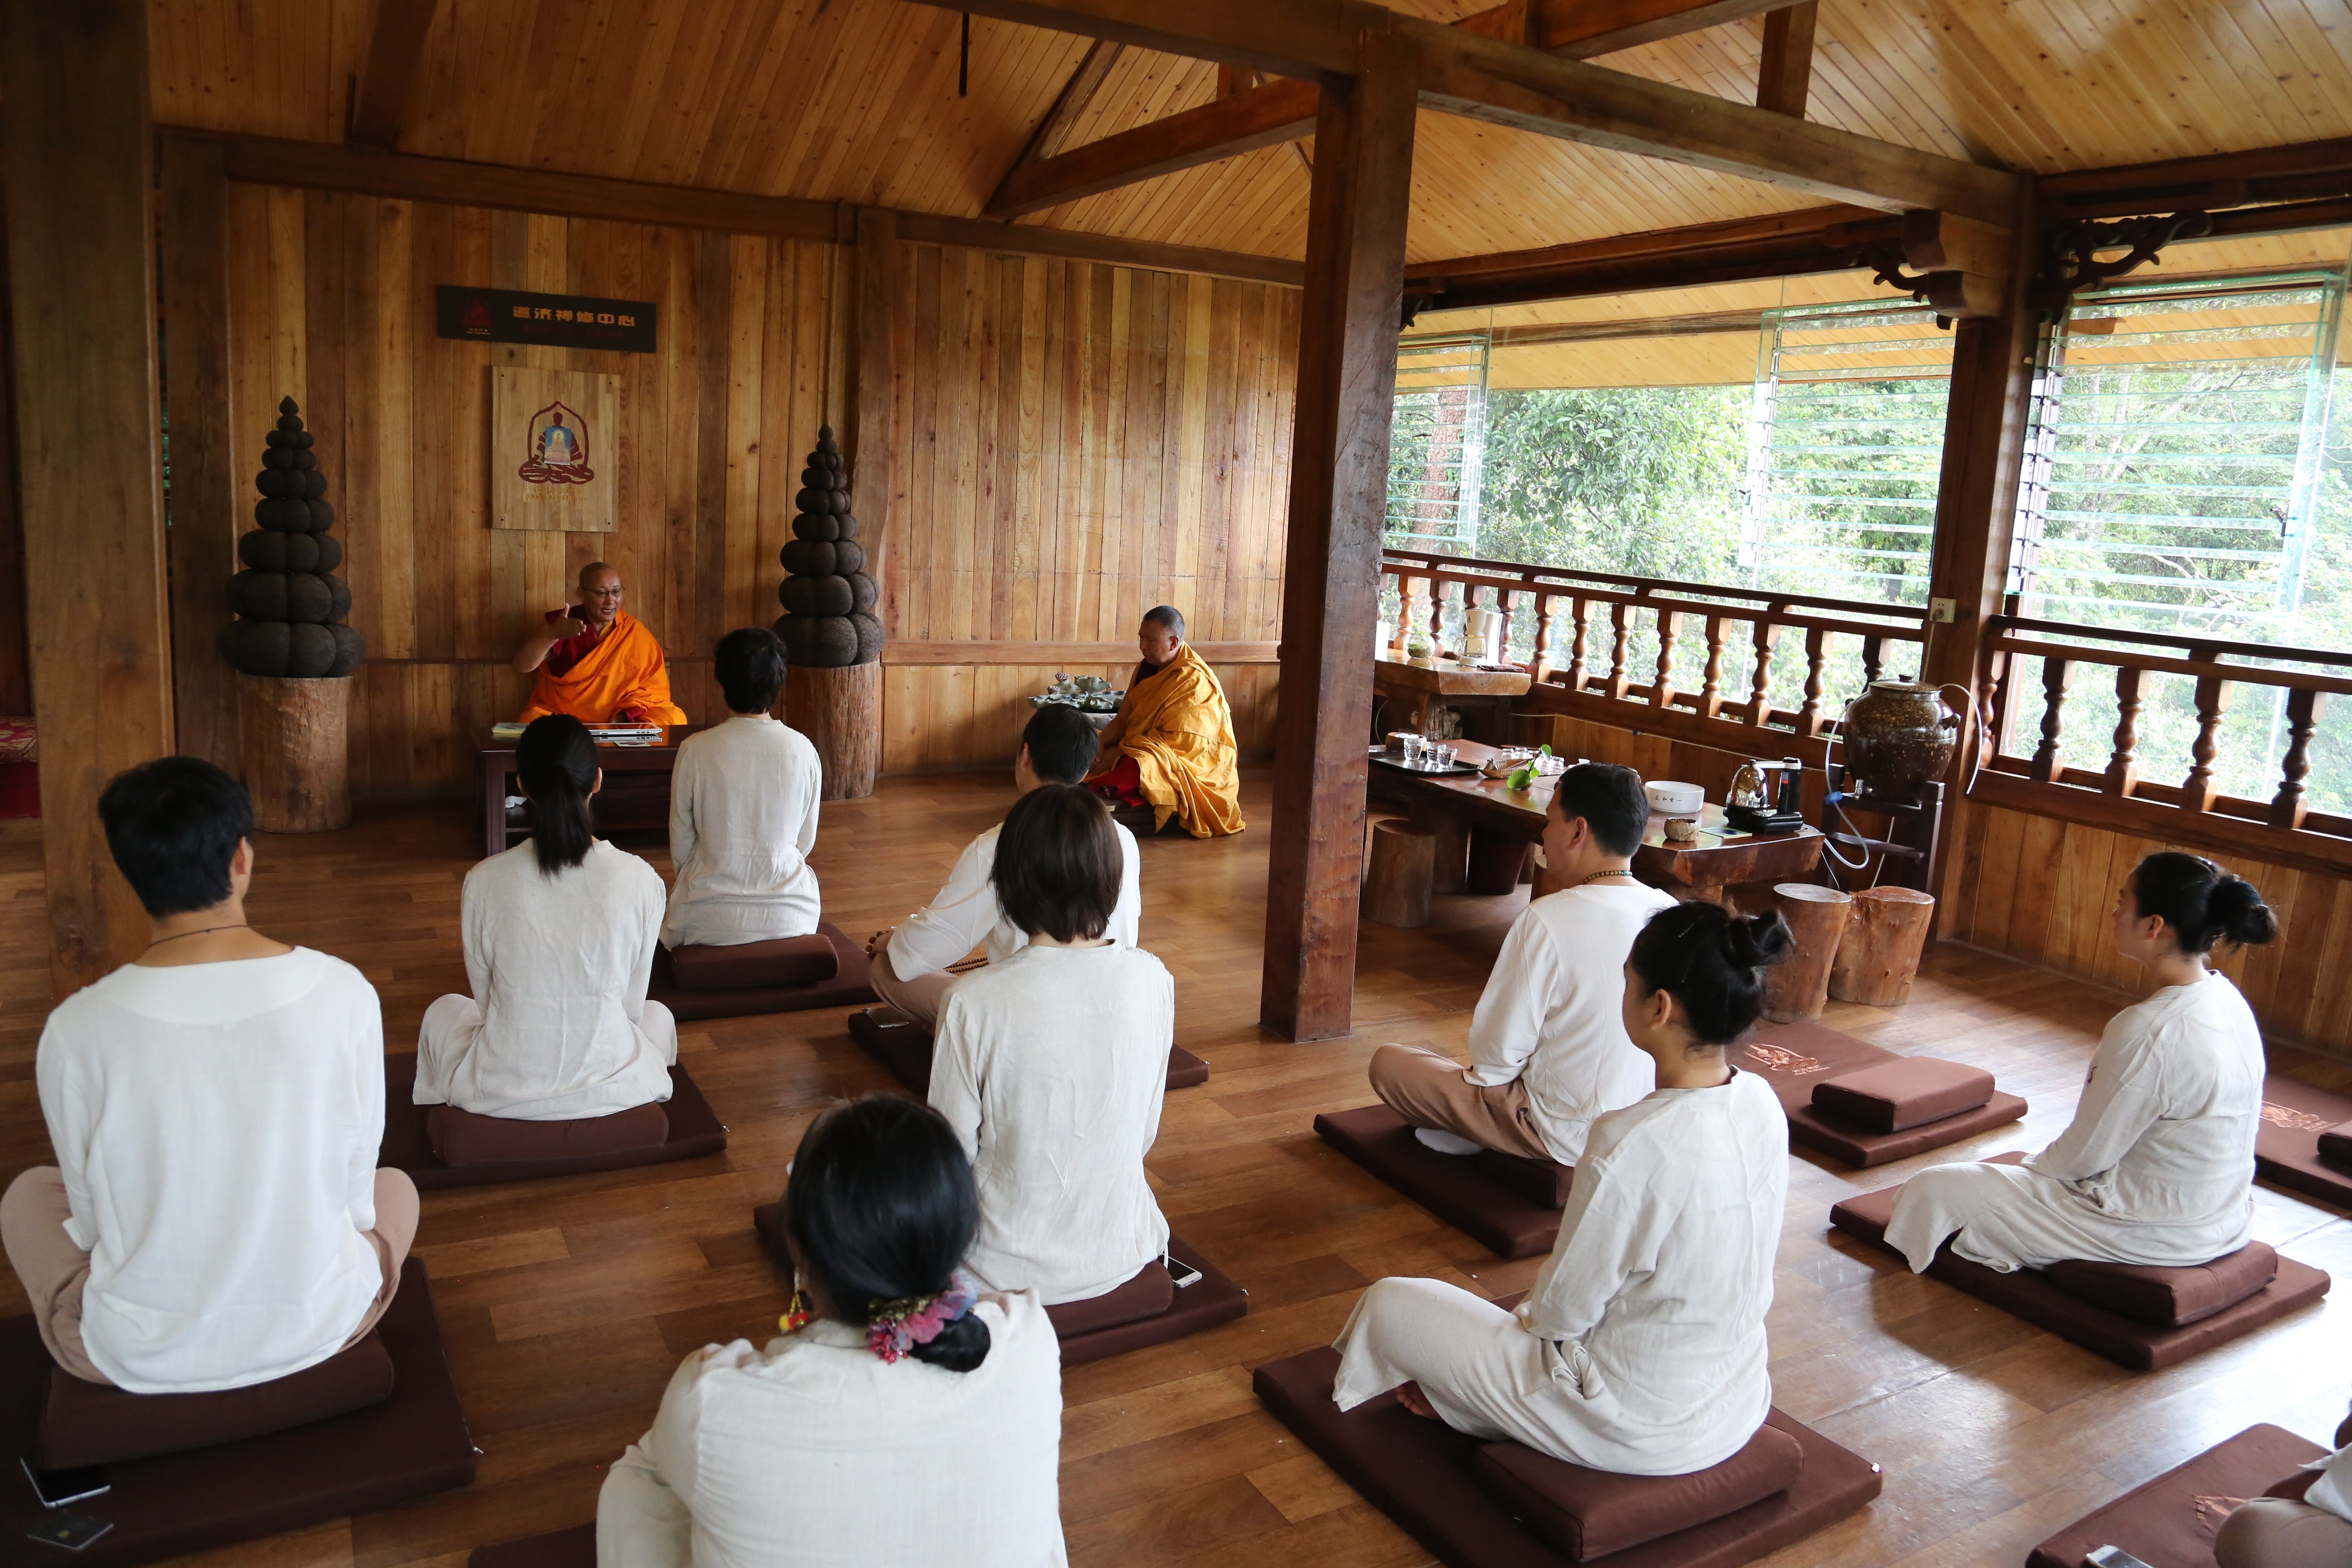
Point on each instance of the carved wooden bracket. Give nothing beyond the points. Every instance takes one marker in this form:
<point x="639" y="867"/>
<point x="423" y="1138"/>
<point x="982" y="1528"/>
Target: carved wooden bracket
<point x="2073" y="262"/>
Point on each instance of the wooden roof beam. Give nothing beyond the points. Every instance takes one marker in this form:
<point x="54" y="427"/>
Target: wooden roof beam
<point x="1075" y="95"/>
<point x="1784" y="77"/>
<point x="1508" y="83"/>
<point x="1281" y="112"/>
<point x="387" y="84"/>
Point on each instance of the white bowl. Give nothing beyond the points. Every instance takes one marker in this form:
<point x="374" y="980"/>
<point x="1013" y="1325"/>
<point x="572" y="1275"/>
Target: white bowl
<point x="1670" y="798"/>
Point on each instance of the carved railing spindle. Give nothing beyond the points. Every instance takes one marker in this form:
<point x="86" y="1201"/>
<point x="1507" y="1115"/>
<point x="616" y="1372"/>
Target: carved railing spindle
<point x="1507" y="600"/>
<point x="2123" y="768"/>
<point x="1540" y="662"/>
<point x="1710" y="693"/>
<point x="2057" y="674"/>
<point x="2303" y="706"/>
<point x="1808" y="716"/>
<point x="1759" y="700"/>
<point x="1670" y="631"/>
<point x="1873" y="662"/>
<point x="1436" y="614"/>
<point x="1620" y="625"/>
<point x="2197" y="791"/>
<point x="1581" y="608"/>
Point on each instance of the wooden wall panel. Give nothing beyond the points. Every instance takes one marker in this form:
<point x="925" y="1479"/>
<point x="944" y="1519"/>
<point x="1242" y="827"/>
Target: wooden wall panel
<point x="2041" y="890"/>
<point x="15" y="655"/>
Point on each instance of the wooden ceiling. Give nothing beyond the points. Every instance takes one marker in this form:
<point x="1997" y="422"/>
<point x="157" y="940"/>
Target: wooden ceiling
<point x="856" y="101"/>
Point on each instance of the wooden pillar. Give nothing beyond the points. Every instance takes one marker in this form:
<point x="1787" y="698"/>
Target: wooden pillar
<point x="1338" y="490"/>
<point x="208" y="487"/>
<point x="1975" y="521"/>
<point x="853" y="714"/>
<point x="75" y="172"/>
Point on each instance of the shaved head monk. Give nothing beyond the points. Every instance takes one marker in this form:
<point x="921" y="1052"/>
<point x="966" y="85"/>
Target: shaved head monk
<point x="597" y="662"/>
<point x="1170" y="754"/>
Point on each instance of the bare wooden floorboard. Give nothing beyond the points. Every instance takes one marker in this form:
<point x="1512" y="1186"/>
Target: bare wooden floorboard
<point x="567" y="1304"/>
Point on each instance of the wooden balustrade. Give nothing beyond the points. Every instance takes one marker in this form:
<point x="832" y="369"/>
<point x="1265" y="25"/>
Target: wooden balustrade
<point x="2120" y="796"/>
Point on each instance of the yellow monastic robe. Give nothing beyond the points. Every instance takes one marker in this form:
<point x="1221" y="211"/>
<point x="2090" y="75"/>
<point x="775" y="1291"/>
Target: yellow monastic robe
<point x="1178" y="728"/>
<point x="623" y="671"/>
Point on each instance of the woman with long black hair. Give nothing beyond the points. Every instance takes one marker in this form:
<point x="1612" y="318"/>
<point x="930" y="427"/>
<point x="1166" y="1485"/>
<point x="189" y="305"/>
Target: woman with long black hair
<point x="906" y="1417"/>
<point x="559" y="935"/>
<point x="2158" y="1165"/>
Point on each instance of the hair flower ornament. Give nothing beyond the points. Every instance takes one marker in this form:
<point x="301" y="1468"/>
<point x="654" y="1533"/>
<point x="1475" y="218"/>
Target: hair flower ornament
<point x="898" y="1327"/>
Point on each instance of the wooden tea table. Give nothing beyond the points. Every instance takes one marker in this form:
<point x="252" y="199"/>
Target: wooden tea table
<point x="1483" y="697"/>
<point x="635" y="793"/>
<point x="1476" y="820"/>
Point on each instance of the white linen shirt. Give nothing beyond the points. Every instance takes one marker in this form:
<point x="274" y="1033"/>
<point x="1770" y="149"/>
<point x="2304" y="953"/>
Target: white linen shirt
<point x="965" y="912"/>
<point x="216" y="1125"/>
<point x="743" y="819"/>
<point x="1552" y="1012"/>
<point x="814" y="1453"/>
<point x="1051" y="1068"/>
<point x="559" y="967"/>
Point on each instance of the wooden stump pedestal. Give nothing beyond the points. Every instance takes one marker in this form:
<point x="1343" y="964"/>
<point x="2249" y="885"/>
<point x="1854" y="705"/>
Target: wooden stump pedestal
<point x="1396" y="885"/>
<point x="1878" y="957"/>
<point x="839" y="708"/>
<point x="1798" y="987"/>
<point x="296" y="751"/>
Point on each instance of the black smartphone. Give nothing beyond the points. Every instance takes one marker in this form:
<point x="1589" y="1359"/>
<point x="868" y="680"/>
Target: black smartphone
<point x="1182" y="1272"/>
<point x="57" y="1488"/>
<point x="71" y="1531"/>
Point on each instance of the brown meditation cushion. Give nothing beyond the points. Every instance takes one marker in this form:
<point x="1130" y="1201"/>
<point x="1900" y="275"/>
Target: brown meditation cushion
<point x="2170" y="1521"/>
<point x="1148" y="1295"/>
<point x="462" y="1138"/>
<point x="787" y="961"/>
<point x="98" y="1424"/>
<point x="2335" y="1145"/>
<point x="2169" y="1298"/>
<point x="1907" y="1093"/>
<point x="1590" y="1513"/>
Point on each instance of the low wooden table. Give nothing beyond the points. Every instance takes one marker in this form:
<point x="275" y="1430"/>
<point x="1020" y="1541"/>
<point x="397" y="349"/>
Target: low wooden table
<point x="1460" y="809"/>
<point x="635" y="793"/>
<point x="1483" y="695"/>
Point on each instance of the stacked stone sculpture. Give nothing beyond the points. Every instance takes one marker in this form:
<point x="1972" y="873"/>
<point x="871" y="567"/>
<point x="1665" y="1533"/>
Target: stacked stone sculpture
<point x="291" y="605"/>
<point x="828" y="599"/>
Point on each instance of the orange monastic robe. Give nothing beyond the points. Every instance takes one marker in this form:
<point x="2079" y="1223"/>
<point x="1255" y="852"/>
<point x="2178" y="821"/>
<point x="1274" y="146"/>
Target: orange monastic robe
<point x="622" y="671"/>
<point x="1179" y="730"/>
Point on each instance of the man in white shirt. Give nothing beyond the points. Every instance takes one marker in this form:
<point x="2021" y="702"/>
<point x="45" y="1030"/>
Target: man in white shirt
<point x="1548" y="1048"/>
<point x="215" y="1218"/>
<point x="910" y="960"/>
<point x="743" y="812"/>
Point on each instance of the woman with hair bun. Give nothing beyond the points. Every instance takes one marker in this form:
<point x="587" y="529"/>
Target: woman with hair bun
<point x="559" y="935"/>
<point x="1641" y="1349"/>
<point x="2158" y="1165"/>
<point x="904" y="1417"/>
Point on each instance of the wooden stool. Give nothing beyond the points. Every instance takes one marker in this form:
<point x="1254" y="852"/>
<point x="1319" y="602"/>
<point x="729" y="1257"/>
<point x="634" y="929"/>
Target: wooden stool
<point x="1796" y="989"/>
<point x="1878" y="956"/>
<point x="1496" y="860"/>
<point x="1396" y="885"/>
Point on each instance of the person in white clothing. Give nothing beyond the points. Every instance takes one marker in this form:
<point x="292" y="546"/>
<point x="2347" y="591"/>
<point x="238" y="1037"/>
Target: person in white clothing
<point x="743" y="812"/>
<point x="560" y="935"/>
<point x="910" y="970"/>
<point x="215" y="1218"/>
<point x="1051" y="1065"/>
<point x="908" y="1414"/>
<point x="2282" y="1532"/>
<point x="1642" y="1349"/>
<point x="1548" y="1052"/>
<point x="2157" y="1165"/>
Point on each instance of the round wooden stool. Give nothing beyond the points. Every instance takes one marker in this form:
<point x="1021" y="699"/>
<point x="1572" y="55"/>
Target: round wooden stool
<point x="1396" y="884"/>
<point x="1798" y="987"/>
<point x="1878" y="956"/>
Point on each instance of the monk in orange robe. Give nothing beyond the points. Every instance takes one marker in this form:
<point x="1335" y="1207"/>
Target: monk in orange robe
<point x="1169" y="754"/>
<point x="597" y="662"/>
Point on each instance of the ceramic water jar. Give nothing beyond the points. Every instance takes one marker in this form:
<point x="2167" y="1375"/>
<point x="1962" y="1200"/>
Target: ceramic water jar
<point x="1897" y="737"/>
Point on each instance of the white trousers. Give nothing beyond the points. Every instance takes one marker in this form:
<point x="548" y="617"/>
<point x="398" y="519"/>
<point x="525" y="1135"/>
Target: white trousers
<point x="2009" y="1217"/>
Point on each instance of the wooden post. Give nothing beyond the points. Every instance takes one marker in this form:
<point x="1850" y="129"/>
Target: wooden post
<point x="839" y="708"/>
<point x="1796" y="988"/>
<point x="1338" y="493"/>
<point x="76" y="173"/>
<point x="856" y="756"/>
<point x="209" y="486"/>
<point x="1878" y="956"/>
<point x="1976" y="519"/>
<point x="1396" y="888"/>
<point x="296" y="752"/>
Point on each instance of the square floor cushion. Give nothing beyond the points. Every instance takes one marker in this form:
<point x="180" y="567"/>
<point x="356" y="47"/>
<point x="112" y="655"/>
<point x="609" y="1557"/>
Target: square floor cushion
<point x="2288" y="1147"/>
<point x="848" y="985"/>
<point x="1149" y="1309"/>
<point x="2169" y="1298"/>
<point x="694" y="1130"/>
<point x="461" y="1138"/>
<point x="98" y="1424"/>
<point x="904" y="1047"/>
<point x="572" y="1548"/>
<point x="406" y="1446"/>
<point x="1428" y="1478"/>
<point x="2170" y="1521"/>
<point x="1510" y="1205"/>
<point x="1797" y="1059"/>
<point x="1907" y="1093"/>
<point x="2094" y="1323"/>
<point x="1586" y="1514"/>
<point x="755" y="965"/>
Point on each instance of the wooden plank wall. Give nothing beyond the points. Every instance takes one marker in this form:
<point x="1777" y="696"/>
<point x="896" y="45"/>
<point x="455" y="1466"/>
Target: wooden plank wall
<point x="2041" y="890"/>
<point x="1076" y="443"/>
<point x="15" y="653"/>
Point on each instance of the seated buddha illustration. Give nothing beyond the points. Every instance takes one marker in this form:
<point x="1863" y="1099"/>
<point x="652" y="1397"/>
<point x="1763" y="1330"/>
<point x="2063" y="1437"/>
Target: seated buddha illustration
<point x="559" y="450"/>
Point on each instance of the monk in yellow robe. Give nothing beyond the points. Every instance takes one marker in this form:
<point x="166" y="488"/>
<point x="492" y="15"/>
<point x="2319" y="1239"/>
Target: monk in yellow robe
<point x="1170" y="753"/>
<point x="596" y="662"/>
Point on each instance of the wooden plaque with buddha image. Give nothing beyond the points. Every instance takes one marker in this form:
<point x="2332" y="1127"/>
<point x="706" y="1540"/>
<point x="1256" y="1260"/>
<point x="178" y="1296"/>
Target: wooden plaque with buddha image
<point x="555" y="453"/>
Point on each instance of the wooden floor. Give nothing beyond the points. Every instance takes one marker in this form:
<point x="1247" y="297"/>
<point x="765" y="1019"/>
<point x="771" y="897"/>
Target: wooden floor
<point x="567" y="1303"/>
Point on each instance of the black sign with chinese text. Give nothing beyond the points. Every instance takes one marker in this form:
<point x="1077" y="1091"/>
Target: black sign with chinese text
<point x="551" y="320"/>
